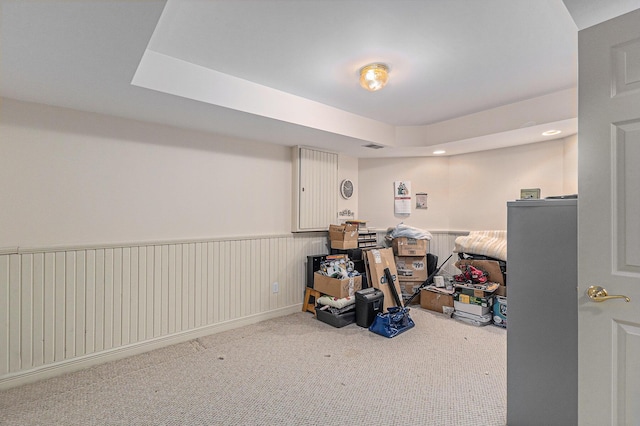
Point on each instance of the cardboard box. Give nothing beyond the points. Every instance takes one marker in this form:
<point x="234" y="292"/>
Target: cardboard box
<point x="376" y="260"/>
<point x="403" y="246"/>
<point x="335" y="287"/>
<point x="412" y="268"/>
<point x="471" y="309"/>
<point x="491" y="267"/>
<point x="500" y="312"/>
<point x="474" y="300"/>
<point x="501" y="291"/>
<point x="408" y="289"/>
<point x="343" y="236"/>
<point x="476" y="292"/>
<point x="435" y="301"/>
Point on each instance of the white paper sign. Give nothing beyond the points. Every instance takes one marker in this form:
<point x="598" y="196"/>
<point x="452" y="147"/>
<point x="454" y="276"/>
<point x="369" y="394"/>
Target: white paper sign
<point x="421" y="200"/>
<point x="402" y="197"/>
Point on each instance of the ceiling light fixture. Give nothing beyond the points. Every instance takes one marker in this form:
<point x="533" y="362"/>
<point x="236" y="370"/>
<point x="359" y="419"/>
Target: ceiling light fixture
<point x="439" y="152"/>
<point x="374" y="76"/>
<point x="551" y="132"/>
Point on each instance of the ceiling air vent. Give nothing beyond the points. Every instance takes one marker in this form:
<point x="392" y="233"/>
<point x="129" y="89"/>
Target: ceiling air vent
<point x="373" y="146"/>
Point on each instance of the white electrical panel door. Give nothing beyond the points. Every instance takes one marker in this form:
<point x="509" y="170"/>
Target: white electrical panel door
<point x="315" y="189"/>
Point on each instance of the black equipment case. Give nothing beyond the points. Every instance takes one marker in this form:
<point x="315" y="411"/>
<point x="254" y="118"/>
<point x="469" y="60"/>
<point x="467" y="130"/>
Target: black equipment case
<point x="368" y="304"/>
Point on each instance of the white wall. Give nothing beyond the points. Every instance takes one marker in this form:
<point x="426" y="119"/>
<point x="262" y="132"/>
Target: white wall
<point x="348" y="169"/>
<point x="376" y="189"/>
<point x="71" y="177"/>
<point x="470" y="191"/>
<point x="118" y="237"/>
<point x="111" y="230"/>
<point x="483" y="182"/>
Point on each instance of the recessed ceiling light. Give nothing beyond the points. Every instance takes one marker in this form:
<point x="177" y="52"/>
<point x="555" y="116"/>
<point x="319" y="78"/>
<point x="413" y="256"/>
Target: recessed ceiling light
<point x="439" y="152"/>
<point x="551" y="132"/>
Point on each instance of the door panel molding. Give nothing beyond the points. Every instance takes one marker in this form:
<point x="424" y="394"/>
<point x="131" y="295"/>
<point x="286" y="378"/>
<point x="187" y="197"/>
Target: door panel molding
<point x="626" y="381"/>
<point x="625" y="200"/>
<point x="626" y="68"/>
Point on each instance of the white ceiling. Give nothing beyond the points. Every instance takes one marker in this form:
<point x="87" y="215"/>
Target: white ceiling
<point x="465" y="75"/>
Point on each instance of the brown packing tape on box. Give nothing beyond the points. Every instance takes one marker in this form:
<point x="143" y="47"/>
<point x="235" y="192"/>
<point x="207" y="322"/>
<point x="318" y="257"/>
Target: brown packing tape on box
<point x="376" y="262"/>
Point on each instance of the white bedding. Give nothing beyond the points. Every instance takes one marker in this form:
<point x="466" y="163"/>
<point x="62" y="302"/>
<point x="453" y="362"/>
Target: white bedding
<point x="335" y="302"/>
<point x="485" y="243"/>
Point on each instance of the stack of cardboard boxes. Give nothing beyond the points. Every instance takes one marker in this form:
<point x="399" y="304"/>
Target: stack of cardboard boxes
<point x="411" y="263"/>
<point x="338" y="277"/>
<point x="485" y="304"/>
<point x="340" y="237"/>
<point x="477" y="305"/>
<point x="407" y="262"/>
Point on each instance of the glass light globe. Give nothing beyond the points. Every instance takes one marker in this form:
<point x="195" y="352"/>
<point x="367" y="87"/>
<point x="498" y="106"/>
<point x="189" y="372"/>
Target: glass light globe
<point x="374" y="76"/>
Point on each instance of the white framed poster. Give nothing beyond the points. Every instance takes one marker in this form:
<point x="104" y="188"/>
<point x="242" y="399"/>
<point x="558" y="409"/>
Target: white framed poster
<point x="421" y="200"/>
<point x="402" y="197"/>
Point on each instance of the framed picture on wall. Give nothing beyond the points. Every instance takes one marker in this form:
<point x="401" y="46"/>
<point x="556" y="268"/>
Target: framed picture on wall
<point x="530" y="194"/>
<point x="402" y="197"/>
<point x="421" y="200"/>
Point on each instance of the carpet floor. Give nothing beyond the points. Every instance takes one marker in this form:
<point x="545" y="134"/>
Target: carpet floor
<point x="292" y="370"/>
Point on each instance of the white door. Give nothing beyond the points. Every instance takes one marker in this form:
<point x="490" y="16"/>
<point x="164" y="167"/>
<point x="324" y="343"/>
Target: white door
<point x="315" y="189"/>
<point x="609" y="221"/>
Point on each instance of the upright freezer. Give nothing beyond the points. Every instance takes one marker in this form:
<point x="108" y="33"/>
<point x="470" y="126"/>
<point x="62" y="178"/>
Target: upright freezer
<point x="542" y="332"/>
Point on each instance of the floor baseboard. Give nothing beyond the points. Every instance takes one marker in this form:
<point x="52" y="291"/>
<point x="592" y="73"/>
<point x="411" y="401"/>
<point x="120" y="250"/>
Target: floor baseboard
<point x="68" y="366"/>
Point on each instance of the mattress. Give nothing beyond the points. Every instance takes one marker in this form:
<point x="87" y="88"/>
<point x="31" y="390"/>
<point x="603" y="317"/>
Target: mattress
<point x="486" y="243"/>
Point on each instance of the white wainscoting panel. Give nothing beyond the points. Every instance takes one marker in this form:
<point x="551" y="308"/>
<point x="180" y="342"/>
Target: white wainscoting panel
<point x="59" y="305"/>
<point x="63" y="309"/>
<point x="442" y="245"/>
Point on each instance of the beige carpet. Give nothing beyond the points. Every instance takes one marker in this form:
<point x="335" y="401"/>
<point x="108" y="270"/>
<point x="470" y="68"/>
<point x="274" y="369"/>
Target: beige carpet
<point x="293" y="370"/>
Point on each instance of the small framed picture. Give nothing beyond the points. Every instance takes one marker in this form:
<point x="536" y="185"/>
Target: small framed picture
<point x="530" y="194"/>
<point x="421" y="200"/>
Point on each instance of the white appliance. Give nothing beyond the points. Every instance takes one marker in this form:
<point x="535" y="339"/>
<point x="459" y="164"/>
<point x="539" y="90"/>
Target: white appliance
<point x="542" y="331"/>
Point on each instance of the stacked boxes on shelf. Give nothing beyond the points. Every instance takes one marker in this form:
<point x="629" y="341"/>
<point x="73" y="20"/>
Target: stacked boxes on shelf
<point x="351" y="239"/>
<point x="475" y="301"/>
<point x="367" y="237"/>
<point x="337" y="282"/>
<point x="411" y="263"/>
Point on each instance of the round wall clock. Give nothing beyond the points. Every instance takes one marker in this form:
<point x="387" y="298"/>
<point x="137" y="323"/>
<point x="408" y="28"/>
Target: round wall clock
<point x="346" y="189"/>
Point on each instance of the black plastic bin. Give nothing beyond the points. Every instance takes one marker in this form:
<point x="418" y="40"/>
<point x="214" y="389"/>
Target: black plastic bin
<point x="336" y="320"/>
<point x="368" y="304"/>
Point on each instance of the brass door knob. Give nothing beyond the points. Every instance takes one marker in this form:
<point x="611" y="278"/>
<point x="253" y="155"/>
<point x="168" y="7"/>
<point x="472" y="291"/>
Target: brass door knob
<point x="599" y="294"/>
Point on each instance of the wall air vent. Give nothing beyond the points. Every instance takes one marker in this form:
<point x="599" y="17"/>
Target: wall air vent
<point x="373" y="146"/>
